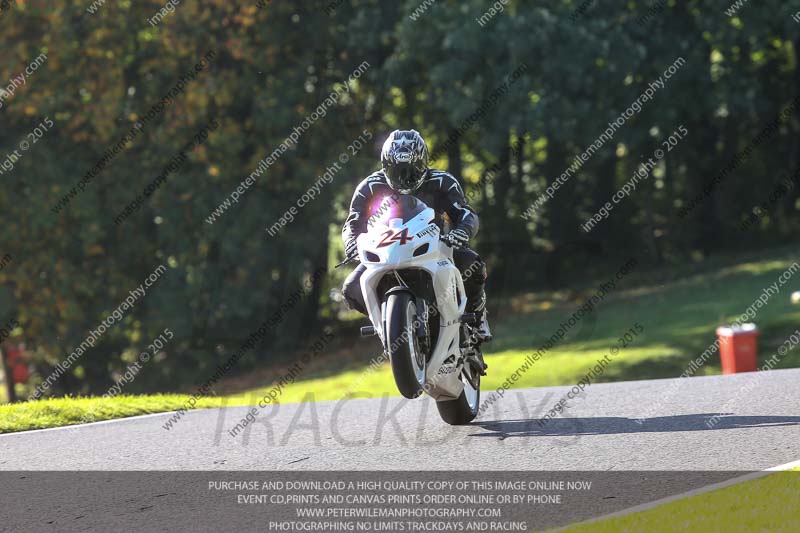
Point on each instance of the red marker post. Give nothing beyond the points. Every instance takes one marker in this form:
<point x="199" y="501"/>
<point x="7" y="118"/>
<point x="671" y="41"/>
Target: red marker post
<point x="738" y="348"/>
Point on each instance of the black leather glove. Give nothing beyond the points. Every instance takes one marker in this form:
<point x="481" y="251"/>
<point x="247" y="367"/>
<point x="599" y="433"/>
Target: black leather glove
<point x="457" y="238"/>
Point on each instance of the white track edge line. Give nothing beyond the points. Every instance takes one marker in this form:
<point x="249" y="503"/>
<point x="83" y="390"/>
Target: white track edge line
<point x="73" y="427"/>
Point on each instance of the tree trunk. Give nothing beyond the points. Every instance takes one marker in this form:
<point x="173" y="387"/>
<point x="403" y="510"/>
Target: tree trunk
<point x="7" y="371"/>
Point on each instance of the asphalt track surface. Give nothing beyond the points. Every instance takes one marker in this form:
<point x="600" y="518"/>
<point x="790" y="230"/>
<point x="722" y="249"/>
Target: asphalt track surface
<point x="600" y="433"/>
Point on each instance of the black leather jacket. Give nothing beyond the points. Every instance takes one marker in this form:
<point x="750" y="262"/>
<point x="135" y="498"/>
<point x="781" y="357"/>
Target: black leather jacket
<point x="440" y="191"/>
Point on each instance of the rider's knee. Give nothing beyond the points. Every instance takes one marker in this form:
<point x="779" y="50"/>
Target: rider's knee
<point x="353" y="279"/>
<point x="473" y="268"/>
<point x="355" y="304"/>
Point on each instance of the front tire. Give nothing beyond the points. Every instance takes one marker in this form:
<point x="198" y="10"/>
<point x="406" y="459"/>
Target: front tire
<point x="463" y="409"/>
<point x="408" y="362"/>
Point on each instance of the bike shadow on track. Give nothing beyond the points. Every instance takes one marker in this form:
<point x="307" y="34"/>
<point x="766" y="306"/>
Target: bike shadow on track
<point x="605" y="425"/>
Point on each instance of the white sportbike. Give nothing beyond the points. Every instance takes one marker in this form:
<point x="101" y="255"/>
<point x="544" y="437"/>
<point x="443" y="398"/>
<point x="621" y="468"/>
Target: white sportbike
<point x="415" y="298"/>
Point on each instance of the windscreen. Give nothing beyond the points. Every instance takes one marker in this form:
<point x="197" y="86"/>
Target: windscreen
<point x="408" y="207"/>
<point x="403" y="206"/>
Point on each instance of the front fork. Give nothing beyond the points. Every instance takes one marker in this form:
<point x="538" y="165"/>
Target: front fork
<point x="470" y="350"/>
<point x="422" y="330"/>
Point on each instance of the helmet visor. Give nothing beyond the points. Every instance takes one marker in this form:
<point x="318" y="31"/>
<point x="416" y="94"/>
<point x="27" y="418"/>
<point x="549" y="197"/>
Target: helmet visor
<point x="402" y="176"/>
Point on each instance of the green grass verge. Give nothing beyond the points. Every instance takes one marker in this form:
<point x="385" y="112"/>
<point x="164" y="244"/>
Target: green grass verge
<point x="770" y="503"/>
<point x="56" y="412"/>
<point x="679" y="316"/>
<point x="679" y="319"/>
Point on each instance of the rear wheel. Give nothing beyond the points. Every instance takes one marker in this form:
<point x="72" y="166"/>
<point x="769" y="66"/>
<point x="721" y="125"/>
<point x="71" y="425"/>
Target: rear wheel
<point x="463" y="409"/>
<point x="408" y="361"/>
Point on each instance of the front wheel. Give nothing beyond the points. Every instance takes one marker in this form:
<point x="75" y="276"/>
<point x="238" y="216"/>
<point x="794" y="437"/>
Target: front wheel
<point x="408" y="361"/>
<point x="463" y="409"/>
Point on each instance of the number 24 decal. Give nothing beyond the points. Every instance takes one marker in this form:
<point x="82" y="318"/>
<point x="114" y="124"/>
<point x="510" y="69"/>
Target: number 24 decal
<point x="389" y="236"/>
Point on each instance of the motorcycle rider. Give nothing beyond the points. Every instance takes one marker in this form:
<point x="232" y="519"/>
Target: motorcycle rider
<point x="404" y="161"/>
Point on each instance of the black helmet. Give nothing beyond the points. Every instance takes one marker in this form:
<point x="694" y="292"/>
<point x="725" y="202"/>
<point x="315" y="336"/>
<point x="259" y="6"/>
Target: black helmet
<point x="405" y="160"/>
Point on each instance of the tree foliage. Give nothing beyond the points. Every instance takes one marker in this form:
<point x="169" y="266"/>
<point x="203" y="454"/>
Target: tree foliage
<point x="274" y="66"/>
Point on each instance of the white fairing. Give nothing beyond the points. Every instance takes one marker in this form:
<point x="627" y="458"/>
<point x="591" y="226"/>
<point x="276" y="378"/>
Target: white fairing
<point x="392" y="251"/>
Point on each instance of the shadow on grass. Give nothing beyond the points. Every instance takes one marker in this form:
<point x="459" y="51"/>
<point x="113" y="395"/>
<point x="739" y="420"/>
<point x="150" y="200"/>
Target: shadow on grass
<point x="567" y="427"/>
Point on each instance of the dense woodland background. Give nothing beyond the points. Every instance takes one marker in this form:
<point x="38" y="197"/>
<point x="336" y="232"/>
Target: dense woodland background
<point x="273" y="66"/>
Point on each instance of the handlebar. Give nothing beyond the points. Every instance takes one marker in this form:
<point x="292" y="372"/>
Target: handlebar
<point x="447" y="241"/>
<point x="346" y="260"/>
